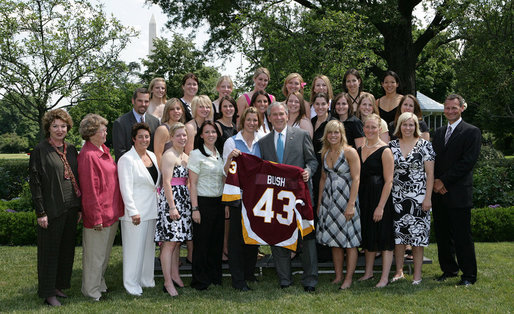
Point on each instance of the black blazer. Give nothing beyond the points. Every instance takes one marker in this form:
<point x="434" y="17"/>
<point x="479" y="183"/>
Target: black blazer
<point x="121" y="132"/>
<point x="46" y="180"/>
<point x="454" y="164"/>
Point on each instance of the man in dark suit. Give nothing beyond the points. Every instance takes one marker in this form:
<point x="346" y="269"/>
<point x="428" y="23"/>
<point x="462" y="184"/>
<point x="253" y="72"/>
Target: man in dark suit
<point x="291" y="146"/>
<point x="457" y="147"/>
<point x="122" y="127"/>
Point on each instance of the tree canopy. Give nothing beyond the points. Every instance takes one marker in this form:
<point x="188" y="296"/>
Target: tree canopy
<point x="49" y="48"/>
<point x="486" y="67"/>
<point x="390" y="22"/>
<point x="172" y="58"/>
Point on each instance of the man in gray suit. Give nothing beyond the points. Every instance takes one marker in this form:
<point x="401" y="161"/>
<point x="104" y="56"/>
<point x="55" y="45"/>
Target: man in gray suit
<point x="291" y="146"/>
<point x="122" y="127"/>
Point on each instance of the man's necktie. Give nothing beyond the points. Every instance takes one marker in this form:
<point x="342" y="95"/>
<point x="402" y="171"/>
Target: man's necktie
<point x="448" y="134"/>
<point x="280" y="148"/>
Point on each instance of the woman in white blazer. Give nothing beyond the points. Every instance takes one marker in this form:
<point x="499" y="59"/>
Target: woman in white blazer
<point x="139" y="176"/>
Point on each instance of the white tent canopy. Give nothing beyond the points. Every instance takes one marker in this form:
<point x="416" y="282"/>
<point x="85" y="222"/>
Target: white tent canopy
<point x="432" y="110"/>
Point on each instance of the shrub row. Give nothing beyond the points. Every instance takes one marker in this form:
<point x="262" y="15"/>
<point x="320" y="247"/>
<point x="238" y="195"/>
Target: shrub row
<point x="488" y="225"/>
<point x="20" y="228"/>
<point x="13" y="174"/>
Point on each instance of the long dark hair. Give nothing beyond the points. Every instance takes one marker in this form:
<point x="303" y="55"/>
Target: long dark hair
<point x="254" y="98"/>
<point x="233" y="102"/>
<point x="198" y="144"/>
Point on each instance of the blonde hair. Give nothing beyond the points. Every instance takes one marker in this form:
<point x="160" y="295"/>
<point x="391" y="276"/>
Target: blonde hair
<point x="202" y="100"/>
<point x="404" y="117"/>
<point x="167" y="108"/>
<point x="174" y="127"/>
<point x="365" y="95"/>
<point x="225" y="78"/>
<point x="289" y="78"/>
<point x="332" y="126"/>
<point x="245" y="113"/>
<point x="325" y="79"/>
<point x="152" y="84"/>
<point x="375" y="117"/>
<point x="260" y="71"/>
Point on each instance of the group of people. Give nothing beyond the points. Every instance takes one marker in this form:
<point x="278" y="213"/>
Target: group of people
<point x="373" y="174"/>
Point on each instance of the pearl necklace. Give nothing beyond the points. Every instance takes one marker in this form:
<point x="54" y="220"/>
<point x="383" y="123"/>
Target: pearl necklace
<point x="376" y="144"/>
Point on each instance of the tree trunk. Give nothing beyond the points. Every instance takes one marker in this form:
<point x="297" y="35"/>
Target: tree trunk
<point x="400" y="55"/>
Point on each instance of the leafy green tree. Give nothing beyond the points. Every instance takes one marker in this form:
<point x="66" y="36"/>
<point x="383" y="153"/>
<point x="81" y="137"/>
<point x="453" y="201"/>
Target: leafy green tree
<point x="486" y="68"/>
<point x="391" y="23"/>
<point x="108" y="94"/>
<point x="13" y="122"/>
<point x="49" y="48"/>
<point x="172" y="59"/>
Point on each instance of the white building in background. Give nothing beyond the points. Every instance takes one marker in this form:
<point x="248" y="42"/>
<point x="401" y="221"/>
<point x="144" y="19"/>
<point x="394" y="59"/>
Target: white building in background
<point x="432" y="111"/>
<point x="152" y="34"/>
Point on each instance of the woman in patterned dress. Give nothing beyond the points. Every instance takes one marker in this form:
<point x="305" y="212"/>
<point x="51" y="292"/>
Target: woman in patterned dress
<point x="174" y="221"/>
<point x="338" y="211"/>
<point x="412" y="191"/>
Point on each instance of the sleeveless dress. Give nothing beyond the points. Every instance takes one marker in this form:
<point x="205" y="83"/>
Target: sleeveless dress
<point x="168" y="144"/>
<point x="411" y="223"/>
<point x="180" y="230"/>
<point x="376" y="236"/>
<point x="387" y="116"/>
<point x="333" y="228"/>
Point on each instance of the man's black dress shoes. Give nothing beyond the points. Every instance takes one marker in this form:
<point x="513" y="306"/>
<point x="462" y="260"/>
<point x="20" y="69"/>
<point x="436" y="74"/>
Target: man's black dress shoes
<point x="445" y="276"/>
<point x="309" y="289"/>
<point x="465" y="283"/>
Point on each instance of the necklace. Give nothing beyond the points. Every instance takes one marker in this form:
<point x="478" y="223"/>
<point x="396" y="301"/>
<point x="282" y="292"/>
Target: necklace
<point x="376" y="144"/>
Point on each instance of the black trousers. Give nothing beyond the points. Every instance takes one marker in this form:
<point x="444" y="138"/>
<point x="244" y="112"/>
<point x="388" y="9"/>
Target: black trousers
<point x="453" y="233"/>
<point x="241" y="257"/>
<point x="208" y="243"/>
<point x="55" y="253"/>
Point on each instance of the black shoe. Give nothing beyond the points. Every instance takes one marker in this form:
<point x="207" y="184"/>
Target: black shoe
<point x="252" y="279"/>
<point x="309" y="289"/>
<point x="465" y="283"/>
<point x="284" y="286"/>
<point x="243" y="289"/>
<point x="445" y="276"/>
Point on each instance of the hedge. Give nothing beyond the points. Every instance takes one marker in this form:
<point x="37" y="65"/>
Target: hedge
<point x="13" y="174"/>
<point x="19" y="228"/>
<point x="487" y="224"/>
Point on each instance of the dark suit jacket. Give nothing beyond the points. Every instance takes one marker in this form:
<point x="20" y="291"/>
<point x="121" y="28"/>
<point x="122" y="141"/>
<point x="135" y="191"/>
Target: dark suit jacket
<point x="298" y="149"/>
<point x="454" y="164"/>
<point x="121" y="129"/>
<point x="46" y="180"/>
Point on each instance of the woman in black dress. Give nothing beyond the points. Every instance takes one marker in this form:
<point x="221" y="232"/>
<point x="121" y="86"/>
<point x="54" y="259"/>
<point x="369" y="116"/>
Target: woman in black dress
<point x="342" y="110"/>
<point x="321" y="106"/>
<point x="56" y="195"/>
<point x="376" y="181"/>
<point x="227" y="127"/>
<point x="388" y="103"/>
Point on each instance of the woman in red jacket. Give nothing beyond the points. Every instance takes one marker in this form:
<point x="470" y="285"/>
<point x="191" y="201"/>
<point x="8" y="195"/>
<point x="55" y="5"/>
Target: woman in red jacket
<point x="102" y="204"/>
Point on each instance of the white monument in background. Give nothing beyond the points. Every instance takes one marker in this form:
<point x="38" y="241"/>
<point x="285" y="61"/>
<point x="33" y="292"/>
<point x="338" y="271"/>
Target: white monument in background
<point x="152" y="34"/>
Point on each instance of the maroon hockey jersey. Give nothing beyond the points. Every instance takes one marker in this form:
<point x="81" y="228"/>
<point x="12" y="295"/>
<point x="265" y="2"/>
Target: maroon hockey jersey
<point x="275" y="202"/>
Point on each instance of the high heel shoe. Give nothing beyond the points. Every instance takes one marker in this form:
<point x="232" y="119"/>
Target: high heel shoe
<point x="50" y="304"/>
<point x="176" y="284"/>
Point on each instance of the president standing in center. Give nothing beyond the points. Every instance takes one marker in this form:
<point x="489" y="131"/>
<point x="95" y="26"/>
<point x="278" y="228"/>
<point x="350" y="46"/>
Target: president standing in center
<point x="291" y="146"/>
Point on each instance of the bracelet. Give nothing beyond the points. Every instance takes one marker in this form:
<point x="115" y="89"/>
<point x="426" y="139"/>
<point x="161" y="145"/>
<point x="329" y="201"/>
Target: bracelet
<point x="195" y="208"/>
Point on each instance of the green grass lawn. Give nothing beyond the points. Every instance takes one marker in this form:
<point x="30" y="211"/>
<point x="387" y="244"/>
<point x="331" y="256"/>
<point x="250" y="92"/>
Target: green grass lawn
<point x="492" y="293"/>
<point x="14" y="156"/>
